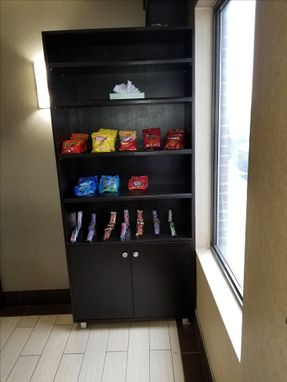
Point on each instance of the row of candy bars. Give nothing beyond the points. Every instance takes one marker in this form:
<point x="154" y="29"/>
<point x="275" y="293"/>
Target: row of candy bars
<point x="77" y="217"/>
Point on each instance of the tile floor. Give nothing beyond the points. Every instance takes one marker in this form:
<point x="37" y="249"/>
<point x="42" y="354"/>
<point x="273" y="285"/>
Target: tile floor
<point x="51" y="348"/>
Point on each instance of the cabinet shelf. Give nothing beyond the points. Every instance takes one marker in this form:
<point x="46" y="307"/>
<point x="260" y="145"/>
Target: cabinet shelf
<point x="114" y="64"/>
<point x="147" y="238"/>
<point x="127" y="102"/>
<point x="125" y="154"/>
<point x="153" y="193"/>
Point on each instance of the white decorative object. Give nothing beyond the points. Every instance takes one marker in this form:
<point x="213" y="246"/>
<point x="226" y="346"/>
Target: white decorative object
<point x="126" y="91"/>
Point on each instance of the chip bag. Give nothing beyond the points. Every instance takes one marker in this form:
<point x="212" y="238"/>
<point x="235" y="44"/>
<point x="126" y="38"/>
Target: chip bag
<point x="104" y="140"/>
<point x="128" y="140"/>
<point x="76" y="144"/>
<point x="138" y="183"/>
<point x="151" y="138"/>
<point x="174" y="139"/>
<point x="109" y="183"/>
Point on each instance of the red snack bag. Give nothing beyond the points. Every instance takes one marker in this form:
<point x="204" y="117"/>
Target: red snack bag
<point x="73" y="146"/>
<point x="174" y="139"/>
<point x="128" y="140"/>
<point x="138" y="183"/>
<point x="151" y="138"/>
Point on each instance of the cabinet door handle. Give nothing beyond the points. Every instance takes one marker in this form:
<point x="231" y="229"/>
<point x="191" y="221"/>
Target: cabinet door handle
<point x="125" y="254"/>
<point x="135" y="254"/>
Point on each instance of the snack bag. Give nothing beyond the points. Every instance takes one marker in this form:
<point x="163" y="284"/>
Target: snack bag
<point x="76" y="144"/>
<point x="128" y="140"/>
<point x="73" y="146"/>
<point x="174" y="139"/>
<point x="151" y="138"/>
<point x="87" y="186"/>
<point x="109" y="183"/>
<point x="138" y="183"/>
<point x="104" y="140"/>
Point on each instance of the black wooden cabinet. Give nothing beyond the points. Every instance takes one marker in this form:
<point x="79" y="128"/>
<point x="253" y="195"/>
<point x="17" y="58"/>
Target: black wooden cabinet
<point x="101" y="282"/>
<point x="83" y="66"/>
<point x="162" y="280"/>
<point x="138" y="280"/>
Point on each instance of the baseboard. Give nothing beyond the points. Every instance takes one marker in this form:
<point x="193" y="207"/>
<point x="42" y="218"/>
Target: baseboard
<point x="200" y="338"/>
<point x="36" y="297"/>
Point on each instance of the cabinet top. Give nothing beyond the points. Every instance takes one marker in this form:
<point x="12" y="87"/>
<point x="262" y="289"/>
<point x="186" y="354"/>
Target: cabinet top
<point x="117" y="30"/>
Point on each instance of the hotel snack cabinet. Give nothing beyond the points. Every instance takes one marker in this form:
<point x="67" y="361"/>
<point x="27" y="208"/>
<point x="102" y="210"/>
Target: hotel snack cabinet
<point x="151" y="277"/>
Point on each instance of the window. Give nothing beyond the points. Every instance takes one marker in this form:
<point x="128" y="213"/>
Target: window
<point x="235" y="22"/>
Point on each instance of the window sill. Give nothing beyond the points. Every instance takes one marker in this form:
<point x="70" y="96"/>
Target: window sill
<point x="227" y="304"/>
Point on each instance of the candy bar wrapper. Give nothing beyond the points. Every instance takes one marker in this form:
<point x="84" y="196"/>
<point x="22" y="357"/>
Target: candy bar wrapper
<point x="76" y="230"/>
<point x="139" y="229"/>
<point x="170" y="217"/>
<point x="123" y="231"/>
<point x="172" y="229"/>
<point x="113" y="217"/>
<point x="107" y="233"/>
<point x="127" y="217"/>
<point x="92" y="229"/>
<point x="156" y="223"/>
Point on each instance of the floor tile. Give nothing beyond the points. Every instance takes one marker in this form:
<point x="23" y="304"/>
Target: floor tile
<point x="69" y="368"/>
<point x="78" y="339"/>
<point x="93" y="362"/>
<point x="115" y="367"/>
<point x="28" y="321"/>
<point x="161" y="369"/>
<point x="23" y="369"/>
<point x="119" y="336"/>
<point x="8" y="324"/>
<point x="177" y="367"/>
<point x="138" y="353"/>
<point x="12" y="350"/>
<point x="52" y="354"/>
<point x="159" y="335"/>
<point x="39" y="336"/>
<point x="174" y="341"/>
<point x="64" y="319"/>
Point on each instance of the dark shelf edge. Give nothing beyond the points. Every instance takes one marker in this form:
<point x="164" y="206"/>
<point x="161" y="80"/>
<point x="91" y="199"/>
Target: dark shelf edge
<point x="143" y="101"/>
<point x="95" y="64"/>
<point x="152" y="240"/>
<point x="102" y="199"/>
<point x="118" y="30"/>
<point x="125" y="154"/>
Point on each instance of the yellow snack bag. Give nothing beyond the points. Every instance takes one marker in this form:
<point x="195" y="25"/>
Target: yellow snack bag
<point x="104" y="140"/>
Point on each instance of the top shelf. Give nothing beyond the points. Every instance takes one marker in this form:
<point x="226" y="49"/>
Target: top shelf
<point x="121" y="63"/>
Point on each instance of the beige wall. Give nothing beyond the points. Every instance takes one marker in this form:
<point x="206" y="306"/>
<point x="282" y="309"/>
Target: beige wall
<point x="264" y="334"/>
<point x="32" y="247"/>
<point x="264" y="356"/>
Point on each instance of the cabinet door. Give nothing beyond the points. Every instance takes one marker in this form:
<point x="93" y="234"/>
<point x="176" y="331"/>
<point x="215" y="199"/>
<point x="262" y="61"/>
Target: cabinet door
<point x="101" y="282"/>
<point x="163" y="277"/>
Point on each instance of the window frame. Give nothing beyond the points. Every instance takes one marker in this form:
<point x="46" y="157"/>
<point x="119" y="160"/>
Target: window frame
<point x="226" y="270"/>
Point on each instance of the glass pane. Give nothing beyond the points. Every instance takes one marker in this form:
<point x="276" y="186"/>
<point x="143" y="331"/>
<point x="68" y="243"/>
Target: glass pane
<point x="235" y="88"/>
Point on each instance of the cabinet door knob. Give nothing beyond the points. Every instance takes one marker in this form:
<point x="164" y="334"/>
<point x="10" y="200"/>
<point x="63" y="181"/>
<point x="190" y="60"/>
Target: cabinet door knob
<point x="135" y="254"/>
<point x="125" y="254"/>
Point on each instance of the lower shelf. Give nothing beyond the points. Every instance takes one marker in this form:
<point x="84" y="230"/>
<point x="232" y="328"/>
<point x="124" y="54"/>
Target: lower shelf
<point x="148" y="238"/>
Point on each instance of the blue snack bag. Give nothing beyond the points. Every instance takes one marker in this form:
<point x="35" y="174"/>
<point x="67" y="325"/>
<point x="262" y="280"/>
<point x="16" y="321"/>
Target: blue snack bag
<point x="87" y="186"/>
<point x="109" y="183"/>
